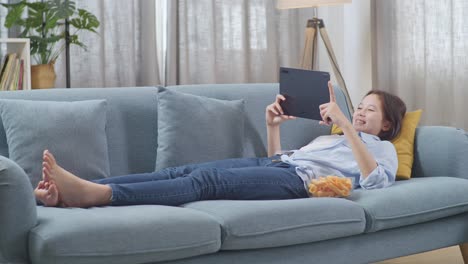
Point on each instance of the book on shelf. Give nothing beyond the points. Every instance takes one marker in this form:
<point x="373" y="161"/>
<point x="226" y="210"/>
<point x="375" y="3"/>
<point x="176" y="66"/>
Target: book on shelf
<point x="2" y="63"/>
<point x="14" y="80"/>
<point x="21" y="76"/>
<point x="3" y="70"/>
<point x="12" y="73"/>
<point x="6" y="71"/>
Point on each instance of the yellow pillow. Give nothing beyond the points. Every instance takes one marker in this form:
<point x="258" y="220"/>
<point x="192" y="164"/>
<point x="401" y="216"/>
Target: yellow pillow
<point x="404" y="143"/>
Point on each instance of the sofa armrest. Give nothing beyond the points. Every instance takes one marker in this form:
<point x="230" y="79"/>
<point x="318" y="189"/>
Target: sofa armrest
<point x="17" y="212"/>
<point x="440" y="151"/>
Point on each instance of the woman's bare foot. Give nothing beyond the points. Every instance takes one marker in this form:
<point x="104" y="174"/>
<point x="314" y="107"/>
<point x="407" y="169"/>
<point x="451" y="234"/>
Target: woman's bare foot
<point x="47" y="193"/>
<point x="73" y="191"/>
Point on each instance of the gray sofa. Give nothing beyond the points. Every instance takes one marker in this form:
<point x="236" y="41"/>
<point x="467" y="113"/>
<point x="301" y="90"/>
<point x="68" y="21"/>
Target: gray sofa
<point x="429" y="211"/>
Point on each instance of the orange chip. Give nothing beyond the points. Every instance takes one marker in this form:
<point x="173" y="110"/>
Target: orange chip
<point x="330" y="186"/>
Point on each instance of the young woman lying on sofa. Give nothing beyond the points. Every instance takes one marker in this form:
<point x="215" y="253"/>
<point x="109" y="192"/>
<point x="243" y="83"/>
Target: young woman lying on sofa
<point x="363" y="153"/>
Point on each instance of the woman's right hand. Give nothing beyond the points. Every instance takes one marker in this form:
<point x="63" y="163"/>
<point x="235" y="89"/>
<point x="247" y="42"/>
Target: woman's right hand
<point x="274" y="114"/>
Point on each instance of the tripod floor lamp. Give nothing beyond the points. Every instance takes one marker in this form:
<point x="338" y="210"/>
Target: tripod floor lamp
<point x="314" y="25"/>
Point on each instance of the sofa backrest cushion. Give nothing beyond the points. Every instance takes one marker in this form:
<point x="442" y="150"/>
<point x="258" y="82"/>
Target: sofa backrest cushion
<point x="75" y="132"/>
<point x="440" y="151"/>
<point x="131" y="123"/>
<point x="194" y="129"/>
<point x="294" y="134"/>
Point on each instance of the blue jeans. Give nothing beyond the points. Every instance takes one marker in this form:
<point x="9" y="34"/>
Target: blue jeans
<point x="231" y="179"/>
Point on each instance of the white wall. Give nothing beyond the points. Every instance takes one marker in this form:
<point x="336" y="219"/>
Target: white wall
<point x="349" y="29"/>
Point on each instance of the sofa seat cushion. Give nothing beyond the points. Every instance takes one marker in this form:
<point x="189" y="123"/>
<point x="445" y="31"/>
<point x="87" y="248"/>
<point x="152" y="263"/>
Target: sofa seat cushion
<point x="133" y="234"/>
<point x="413" y="201"/>
<point x="264" y="224"/>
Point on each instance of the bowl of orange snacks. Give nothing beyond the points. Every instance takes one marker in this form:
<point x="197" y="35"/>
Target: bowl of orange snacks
<point x="331" y="186"/>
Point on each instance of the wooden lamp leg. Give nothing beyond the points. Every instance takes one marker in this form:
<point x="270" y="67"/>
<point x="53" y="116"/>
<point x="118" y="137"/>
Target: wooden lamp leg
<point x="464" y="252"/>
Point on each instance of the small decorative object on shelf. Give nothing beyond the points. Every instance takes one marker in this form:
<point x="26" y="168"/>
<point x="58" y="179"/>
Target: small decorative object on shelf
<point x="15" y="64"/>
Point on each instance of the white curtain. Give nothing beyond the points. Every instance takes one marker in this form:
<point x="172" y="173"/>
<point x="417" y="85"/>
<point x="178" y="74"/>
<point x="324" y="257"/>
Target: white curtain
<point x="161" y="42"/>
<point x="123" y="54"/>
<point x="421" y="51"/>
<point x="237" y="41"/>
<point x="166" y="42"/>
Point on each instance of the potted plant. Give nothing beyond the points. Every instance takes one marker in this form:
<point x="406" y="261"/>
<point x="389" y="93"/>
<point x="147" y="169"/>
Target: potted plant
<point x="44" y="24"/>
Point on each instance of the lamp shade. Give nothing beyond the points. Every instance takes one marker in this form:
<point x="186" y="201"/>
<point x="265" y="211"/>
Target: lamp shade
<point x="288" y="4"/>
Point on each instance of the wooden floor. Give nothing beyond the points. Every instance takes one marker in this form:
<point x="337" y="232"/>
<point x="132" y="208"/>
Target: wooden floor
<point x="450" y="255"/>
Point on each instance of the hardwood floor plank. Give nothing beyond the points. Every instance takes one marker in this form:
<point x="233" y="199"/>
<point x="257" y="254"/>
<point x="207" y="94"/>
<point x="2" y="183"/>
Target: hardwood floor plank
<point x="450" y="255"/>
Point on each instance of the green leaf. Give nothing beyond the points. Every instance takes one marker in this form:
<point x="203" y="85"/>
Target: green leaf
<point x="14" y="15"/>
<point x="12" y="5"/>
<point x="35" y="18"/>
<point x="38" y="6"/>
<point x="74" y="40"/>
<point x="54" y="38"/>
<point x="51" y="21"/>
<point x="34" y="47"/>
<point x="38" y="45"/>
<point x="62" y="8"/>
<point x="87" y="16"/>
<point x="86" y="21"/>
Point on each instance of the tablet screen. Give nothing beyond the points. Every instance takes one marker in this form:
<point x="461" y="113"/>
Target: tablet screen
<point x="305" y="91"/>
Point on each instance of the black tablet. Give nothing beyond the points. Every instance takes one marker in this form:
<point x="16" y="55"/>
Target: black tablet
<point x="305" y="91"/>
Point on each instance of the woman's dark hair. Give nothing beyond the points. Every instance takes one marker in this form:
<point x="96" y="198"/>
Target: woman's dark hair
<point x="394" y="110"/>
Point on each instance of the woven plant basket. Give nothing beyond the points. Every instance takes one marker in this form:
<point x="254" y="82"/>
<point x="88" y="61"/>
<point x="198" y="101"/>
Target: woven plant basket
<point x="43" y="76"/>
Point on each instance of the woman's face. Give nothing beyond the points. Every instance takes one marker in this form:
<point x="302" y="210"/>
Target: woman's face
<point x="369" y="116"/>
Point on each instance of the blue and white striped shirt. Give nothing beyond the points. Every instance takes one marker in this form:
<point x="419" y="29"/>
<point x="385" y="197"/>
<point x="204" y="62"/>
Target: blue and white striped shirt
<point x="332" y="155"/>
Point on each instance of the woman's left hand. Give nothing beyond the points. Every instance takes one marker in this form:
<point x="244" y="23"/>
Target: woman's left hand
<point x="331" y="112"/>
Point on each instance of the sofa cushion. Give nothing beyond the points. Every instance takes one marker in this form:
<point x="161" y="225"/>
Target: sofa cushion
<point x="193" y="129"/>
<point x="73" y="131"/>
<point x="134" y="234"/>
<point x="414" y="201"/>
<point x="404" y="144"/>
<point x="264" y="224"/>
<point x="440" y="151"/>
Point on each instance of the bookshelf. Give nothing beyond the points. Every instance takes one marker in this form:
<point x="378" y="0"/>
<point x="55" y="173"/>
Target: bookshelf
<point x="21" y="47"/>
